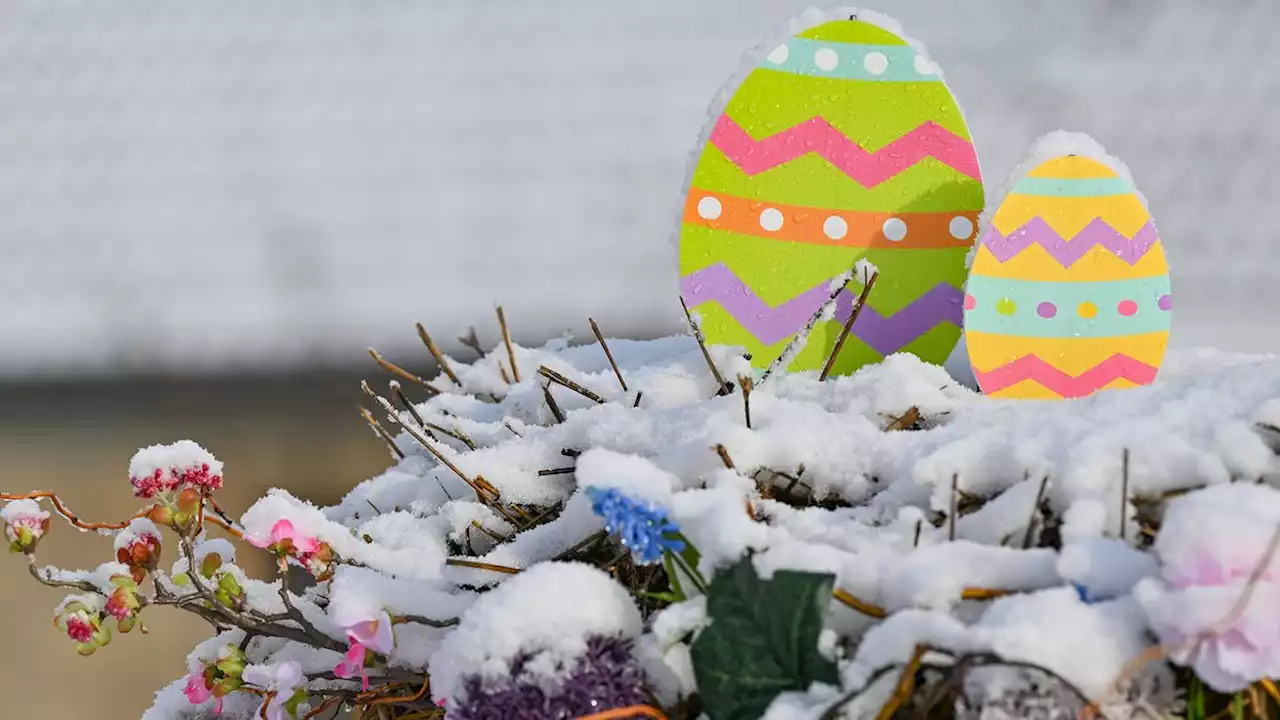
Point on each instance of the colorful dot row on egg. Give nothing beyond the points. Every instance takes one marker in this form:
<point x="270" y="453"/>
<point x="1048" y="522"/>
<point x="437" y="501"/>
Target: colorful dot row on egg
<point x="835" y="227"/>
<point x="1086" y="310"/>
<point x="842" y="59"/>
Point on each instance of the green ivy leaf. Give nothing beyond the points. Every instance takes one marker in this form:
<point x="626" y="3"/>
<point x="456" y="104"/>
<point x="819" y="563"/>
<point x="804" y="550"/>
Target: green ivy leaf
<point x="763" y="640"/>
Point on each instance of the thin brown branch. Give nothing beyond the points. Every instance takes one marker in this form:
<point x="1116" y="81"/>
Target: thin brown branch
<point x="1035" y="511"/>
<point x="1124" y="492"/>
<point x="747" y="386"/>
<point x="721" y="385"/>
<point x="563" y="381"/>
<point x="438" y="356"/>
<point x="506" y="339"/>
<point x="70" y="516"/>
<point x="906" y="685"/>
<point x="723" y="452"/>
<point x="605" y="346"/>
<point x="476" y="564"/>
<point x="848" y="326"/>
<point x="404" y="401"/>
<point x="380" y="431"/>
<point x="401" y="372"/>
<point x="866" y="608"/>
<point x="556" y="471"/>
<point x="556" y="412"/>
<point x="908" y="418"/>
<point x="955" y="508"/>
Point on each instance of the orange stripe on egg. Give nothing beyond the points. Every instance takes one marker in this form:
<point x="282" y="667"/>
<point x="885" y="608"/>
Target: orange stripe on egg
<point x="818" y="226"/>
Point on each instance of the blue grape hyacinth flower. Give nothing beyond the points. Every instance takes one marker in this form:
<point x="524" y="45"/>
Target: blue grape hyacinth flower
<point x="640" y="527"/>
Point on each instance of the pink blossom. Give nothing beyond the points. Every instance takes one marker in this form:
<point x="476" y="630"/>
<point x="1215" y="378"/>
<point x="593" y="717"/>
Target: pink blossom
<point x="375" y="634"/>
<point x="353" y="664"/>
<point x="1210" y="544"/>
<point x="285" y="539"/>
<point x="165" y="468"/>
<point x="198" y="692"/>
<point x="282" y="680"/>
<point x="24" y="523"/>
<point x="79" y="628"/>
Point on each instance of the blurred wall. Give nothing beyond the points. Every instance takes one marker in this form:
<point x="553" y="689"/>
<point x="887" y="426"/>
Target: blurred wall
<point x="200" y="185"/>
<point x="209" y="208"/>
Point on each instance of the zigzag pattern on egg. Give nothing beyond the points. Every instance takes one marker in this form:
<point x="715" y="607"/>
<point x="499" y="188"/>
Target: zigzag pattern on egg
<point x="1032" y="368"/>
<point x="843" y="139"/>
<point x="886" y="334"/>
<point x="817" y="135"/>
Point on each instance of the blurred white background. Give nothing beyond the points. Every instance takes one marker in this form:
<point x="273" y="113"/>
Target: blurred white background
<point x="245" y="184"/>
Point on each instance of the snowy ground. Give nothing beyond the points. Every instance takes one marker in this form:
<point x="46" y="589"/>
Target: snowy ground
<point x="1082" y="611"/>
<point x="236" y="184"/>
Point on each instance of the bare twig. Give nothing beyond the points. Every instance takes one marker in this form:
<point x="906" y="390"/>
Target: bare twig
<point x="639" y="395"/>
<point x="721" y="385"/>
<point x="401" y="372"/>
<point x="862" y="606"/>
<point x="506" y="339"/>
<point x="1124" y="492"/>
<point x="955" y="494"/>
<point x="439" y="356"/>
<point x="745" y="383"/>
<point x="1035" y="511"/>
<point x="70" y="516"/>
<point x="908" y="418"/>
<point x="502" y="370"/>
<point x="848" y="326"/>
<point x="380" y="431"/>
<point x="460" y="562"/>
<point x="906" y="685"/>
<point x="404" y="401"/>
<point x="605" y="346"/>
<point x="471" y="341"/>
<point x="556" y="412"/>
<point x="556" y="471"/>
<point x="563" y="381"/>
<point x="723" y="452"/>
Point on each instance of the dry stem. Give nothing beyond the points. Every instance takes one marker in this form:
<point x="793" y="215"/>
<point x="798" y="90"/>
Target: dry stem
<point x="563" y="381"/>
<point x="721" y="385"/>
<point x="437" y="355"/>
<point x="600" y="338"/>
<point x="848" y="326"/>
<point x="506" y="339"/>
<point x="401" y="372"/>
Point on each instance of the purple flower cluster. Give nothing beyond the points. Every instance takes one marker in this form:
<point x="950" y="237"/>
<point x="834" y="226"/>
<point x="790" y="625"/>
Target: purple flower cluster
<point x="641" y="528"/>
<point x="606" y="677"/>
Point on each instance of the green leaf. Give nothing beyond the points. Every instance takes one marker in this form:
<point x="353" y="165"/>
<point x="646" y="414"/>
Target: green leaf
<point x="1195" y="700"/>
<point x="763" y="640"/>
<point x="1237" y="706"/>
<point x="181" y="579"/>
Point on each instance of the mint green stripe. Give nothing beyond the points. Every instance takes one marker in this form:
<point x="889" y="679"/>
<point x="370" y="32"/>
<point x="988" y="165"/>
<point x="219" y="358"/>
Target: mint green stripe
<point x="851" y="61"/>
<point x="1026" y="296"/>
<point x="1072" y="187"/>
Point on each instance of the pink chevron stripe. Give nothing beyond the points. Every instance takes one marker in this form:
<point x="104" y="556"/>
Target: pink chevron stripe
<point x="886" y="334"/>
<point x="1067" y="252"/>
<point x="819" y="136"/>
<point x="1031" y="367"/>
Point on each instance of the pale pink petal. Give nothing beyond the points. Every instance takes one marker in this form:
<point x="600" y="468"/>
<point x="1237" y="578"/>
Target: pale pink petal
<point x="282" y="530"/>
<point x="384" y="640"/>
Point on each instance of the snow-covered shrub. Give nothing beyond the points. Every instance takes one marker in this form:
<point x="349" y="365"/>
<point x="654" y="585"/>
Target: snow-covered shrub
<point x="567" y="533"/>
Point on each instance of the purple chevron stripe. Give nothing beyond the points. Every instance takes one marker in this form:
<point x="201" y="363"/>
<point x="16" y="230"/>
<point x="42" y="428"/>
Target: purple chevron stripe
<point x="885" y="334"/>
<point x="1068" y="252"/>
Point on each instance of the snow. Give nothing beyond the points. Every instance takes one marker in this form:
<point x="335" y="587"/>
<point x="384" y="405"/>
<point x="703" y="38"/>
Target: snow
<point x="1195" y="441"/>
<point x="561" y="606"/>
<point x="171" y="458"/>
